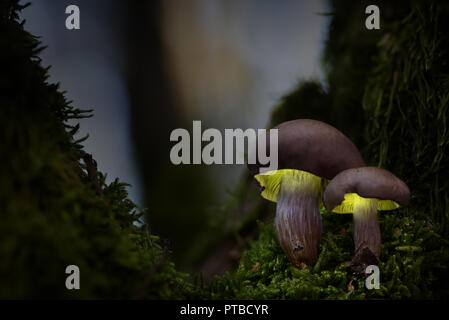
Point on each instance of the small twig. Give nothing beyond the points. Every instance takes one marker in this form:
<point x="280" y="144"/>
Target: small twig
<point x="91" y="167"/>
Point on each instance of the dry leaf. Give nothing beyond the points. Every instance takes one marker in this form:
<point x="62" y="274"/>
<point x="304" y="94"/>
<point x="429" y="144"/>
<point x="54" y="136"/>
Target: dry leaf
<point x="350" y="286"/>
<point x="256" y="267"/>
<point x="301" y="266"/>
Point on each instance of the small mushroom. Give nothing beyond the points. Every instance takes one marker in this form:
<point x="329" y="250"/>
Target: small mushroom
<point x="309" y="153"/>
<point x="362" y="192"/>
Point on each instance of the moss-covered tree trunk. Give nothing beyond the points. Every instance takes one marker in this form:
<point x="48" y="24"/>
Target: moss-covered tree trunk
<point x="55" y="208"/>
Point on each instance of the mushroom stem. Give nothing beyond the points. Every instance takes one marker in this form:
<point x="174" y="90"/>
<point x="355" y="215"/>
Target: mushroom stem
<point x="366" y="226"/>
<point x="298" y="218"/>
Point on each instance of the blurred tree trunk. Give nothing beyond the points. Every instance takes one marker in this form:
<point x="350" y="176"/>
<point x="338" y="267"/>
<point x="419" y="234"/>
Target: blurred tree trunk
<point x="153" y="111"/>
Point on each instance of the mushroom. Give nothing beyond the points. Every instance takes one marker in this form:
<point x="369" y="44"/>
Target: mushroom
<point x="309" y="153"/>
<point x="362" y="192"/>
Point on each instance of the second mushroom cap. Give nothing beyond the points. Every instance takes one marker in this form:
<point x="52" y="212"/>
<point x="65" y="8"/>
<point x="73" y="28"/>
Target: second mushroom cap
<point x="365" y="182"/>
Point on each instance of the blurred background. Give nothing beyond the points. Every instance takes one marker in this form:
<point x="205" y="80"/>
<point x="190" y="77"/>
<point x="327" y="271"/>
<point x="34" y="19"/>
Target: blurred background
<point x="149" y="67"/>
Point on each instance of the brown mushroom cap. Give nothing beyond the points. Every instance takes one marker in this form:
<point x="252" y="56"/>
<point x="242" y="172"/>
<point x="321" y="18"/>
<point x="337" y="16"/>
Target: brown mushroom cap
<point x="315" y="147"/>
<point x="367" y="182"/>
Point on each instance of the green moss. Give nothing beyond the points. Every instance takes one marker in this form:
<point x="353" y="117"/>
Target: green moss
<point x="407" y="107"/>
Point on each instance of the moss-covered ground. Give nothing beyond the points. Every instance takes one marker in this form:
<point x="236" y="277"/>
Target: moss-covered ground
<point x="414" y="264"/>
